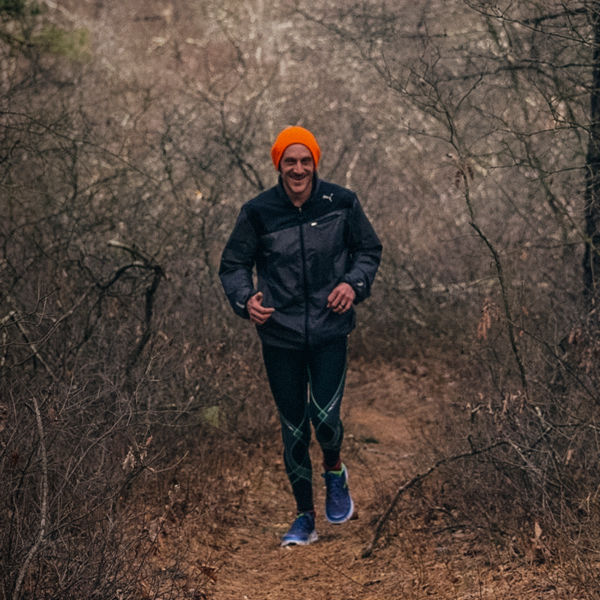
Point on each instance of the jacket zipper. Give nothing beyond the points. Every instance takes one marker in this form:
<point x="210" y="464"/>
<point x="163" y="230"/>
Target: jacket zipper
<point x="304" y="286"/>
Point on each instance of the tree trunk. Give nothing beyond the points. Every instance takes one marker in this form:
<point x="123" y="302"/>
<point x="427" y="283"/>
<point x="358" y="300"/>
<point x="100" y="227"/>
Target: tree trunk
<point x="591" y="259"/>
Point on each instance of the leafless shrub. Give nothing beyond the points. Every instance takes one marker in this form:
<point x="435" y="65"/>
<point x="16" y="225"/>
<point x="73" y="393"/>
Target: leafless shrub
<point x="463" y="127"/>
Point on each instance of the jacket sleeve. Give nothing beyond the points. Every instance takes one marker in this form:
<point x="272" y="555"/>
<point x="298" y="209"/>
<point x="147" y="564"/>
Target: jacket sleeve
<point x="237" y="262"/>
<point x="365" y="253"/>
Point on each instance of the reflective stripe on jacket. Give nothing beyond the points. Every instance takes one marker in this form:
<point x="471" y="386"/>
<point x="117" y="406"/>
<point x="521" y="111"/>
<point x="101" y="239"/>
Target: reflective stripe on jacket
<point x="300" y="255"/>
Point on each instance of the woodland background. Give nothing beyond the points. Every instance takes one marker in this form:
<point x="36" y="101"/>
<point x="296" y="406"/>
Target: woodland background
<point x="130" y="135"/>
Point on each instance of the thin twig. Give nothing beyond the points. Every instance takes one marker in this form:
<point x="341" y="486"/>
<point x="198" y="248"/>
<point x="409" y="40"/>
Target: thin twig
<point x="507" y="311"/>
<point x="464" y="174"/>
<point x="416" y="479"/>
<point x="33" y="347"/>
<point x="342" y="573"/>
<point x="43" y="507"/>
<point x="147" y="262"/>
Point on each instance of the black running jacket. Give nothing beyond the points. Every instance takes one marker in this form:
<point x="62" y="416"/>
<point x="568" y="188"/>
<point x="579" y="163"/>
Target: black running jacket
<point x="300" y="255"/>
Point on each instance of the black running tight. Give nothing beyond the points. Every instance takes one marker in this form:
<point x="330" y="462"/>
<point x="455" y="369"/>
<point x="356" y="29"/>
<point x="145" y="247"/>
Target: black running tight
<point x="308" y="386"/>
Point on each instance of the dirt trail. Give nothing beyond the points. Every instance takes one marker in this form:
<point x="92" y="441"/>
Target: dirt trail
<point x="388" y="416"/>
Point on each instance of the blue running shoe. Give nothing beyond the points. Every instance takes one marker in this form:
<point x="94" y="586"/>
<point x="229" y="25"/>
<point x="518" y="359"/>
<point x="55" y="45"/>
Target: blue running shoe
<point x="302" y="531"/>
<point x="338" y="503"/>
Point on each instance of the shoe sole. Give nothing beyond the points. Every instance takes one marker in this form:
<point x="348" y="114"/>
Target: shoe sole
<point x="313" y="537"/>
<point x="346" y="517"/>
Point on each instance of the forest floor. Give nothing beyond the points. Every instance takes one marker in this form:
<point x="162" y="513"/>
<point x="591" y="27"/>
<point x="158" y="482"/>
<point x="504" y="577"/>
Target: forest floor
<point x="390" y="416"/>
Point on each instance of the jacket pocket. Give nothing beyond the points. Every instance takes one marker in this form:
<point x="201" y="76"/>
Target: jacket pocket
<point x="326" y="220"/>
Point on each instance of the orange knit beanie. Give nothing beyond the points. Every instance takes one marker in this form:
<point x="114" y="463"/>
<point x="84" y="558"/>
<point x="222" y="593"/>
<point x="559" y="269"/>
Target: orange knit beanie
<point x="295" y="135"/>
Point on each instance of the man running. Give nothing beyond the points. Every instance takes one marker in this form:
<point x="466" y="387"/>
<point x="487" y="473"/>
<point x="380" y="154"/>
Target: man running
<point x="316" y="255"/>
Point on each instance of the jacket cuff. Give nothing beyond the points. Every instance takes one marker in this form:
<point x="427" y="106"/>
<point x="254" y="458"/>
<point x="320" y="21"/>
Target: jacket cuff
<point x="359" y="289"/>
<point x="239" y="306"/>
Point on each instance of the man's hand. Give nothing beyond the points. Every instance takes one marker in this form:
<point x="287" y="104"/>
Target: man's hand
<point x="341" y="298"/>
<point x="258" y="313"/>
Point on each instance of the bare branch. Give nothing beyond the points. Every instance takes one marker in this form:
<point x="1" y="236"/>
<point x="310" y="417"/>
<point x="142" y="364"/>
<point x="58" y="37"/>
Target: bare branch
<point x="43" y="504"/>
<point x="415" y="480"/>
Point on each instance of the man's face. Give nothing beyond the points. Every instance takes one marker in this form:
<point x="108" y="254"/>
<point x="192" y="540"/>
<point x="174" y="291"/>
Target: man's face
<point x="297" y="168"/>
